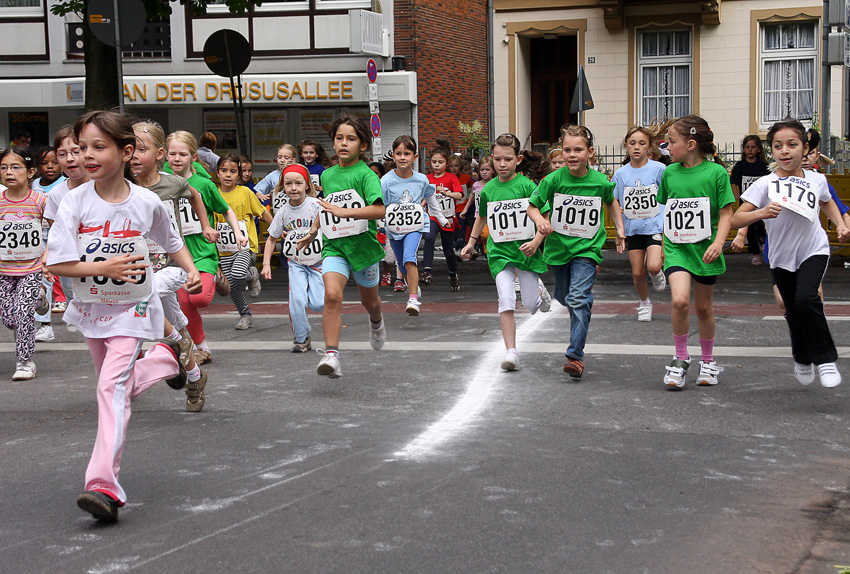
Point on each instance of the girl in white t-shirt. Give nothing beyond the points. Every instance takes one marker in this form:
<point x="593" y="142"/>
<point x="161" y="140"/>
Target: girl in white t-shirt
<point x="292" y="222"/>
<point x="789" y="201"/>
<point x="99" y="237"/>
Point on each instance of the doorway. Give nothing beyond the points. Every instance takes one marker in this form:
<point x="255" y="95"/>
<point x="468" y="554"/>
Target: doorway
<point x="554" y="69"/>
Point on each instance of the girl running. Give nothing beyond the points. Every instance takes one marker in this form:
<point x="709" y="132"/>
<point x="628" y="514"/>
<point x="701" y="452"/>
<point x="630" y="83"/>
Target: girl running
<point x="573" y="199"/>
<point x="486" y="172"/>
<point x="350" y="245"/>
<point x="21" y="254"/>
<point x="68" y="156"/>
<point x="292" y="222"/>
<point x="752" y="166"/>
<point x="286" y="155"/>
<point x="789" y="202"/>
<point x="404" y="192"/>
<point x="449" y="190"/>
<point x="238" y="263"/>
<point x="636" y="189"/>
<point x="512" y="248"/>
<point x="50" y="178"/>
<point x="698" y="207"/>
<point x="182" y="152"/>
<point x="115" y="307"/>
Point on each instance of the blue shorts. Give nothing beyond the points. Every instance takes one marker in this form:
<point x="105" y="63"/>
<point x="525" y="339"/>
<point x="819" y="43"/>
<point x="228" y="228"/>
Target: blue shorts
<point x="405" y="249"/>
<point x="368" y="277"/>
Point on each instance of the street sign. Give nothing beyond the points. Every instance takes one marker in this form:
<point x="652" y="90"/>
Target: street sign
<point x="371" y="70"/>
<point x="373" y="92"/>
<point x="582" y="100"/>
<point x="101" y="18"/>
<point x="374" y="107"/>
<point x="227" y="53"/>
<point x="366" y="33"/>
<point x="377" y="149"/>
<point x="375" y="125"/>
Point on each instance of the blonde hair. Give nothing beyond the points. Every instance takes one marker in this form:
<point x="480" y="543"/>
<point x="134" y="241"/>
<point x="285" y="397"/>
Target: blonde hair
<point x="655" y="132"/>
<point x="154" y="131"/>
<point x="311" y="191"/>
<point x="291" y="148"/>
<point x="187" y="139"/>
<point x="554" y="152"/>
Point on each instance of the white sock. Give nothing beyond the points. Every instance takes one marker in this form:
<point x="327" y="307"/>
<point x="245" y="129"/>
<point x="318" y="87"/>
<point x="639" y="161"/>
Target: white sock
<point x="174" y="335"/>
<point x="203" y="346"/>
<point x="194" y="374"/>
<point x="378" y="325"/>
<point x="645" y="302"/>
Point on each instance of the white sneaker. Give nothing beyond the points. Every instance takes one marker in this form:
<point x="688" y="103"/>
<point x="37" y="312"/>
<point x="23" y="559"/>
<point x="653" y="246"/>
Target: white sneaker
<point x="24" y="371"/>
<point x="829" y="375"/>
<point x="545" y="297"/>
<point x="708" y="373"/>
<point x="59" y="307"/>
<point x="44" y="334"/>
<point x="511" y="361"/>
<point x="804" y="373"/>
<point x="676" y="371"/>
<point x="644" y="312"/>
<point x="254" y="286"/>
<point x="413" y="307"/>
<point x="329" y="365"/>
<point x="659" y="282"/>
<point x="378" y="336"/>
<point x="245" y="322"/>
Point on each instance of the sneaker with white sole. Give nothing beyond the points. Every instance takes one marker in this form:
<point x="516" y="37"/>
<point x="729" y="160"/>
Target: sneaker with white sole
<point x="805" y="373"/>
<point x="829" y="375"/>
<point x="378" y="336"/>
<point x="245" y="322"/>
<point x="511" y="361"/>
<point x="676" y="371"/>
<point x="545" y="297"/>
<point x="659" y="282"/>
<point x="26" y="371"/>
<point x="44" y="334"/>
<point x="708" y="373"/>
<point x="413" y="307"/>
<point x="59" y="307"/>
<point x="329" y="365"/>
<point x="254" y="286"/>
<point x="302" y="346"/>
<point x="644" y="312"/>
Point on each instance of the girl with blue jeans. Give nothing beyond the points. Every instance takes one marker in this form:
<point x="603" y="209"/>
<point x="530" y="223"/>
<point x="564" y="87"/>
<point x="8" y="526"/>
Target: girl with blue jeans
<point x="293" y="221"/>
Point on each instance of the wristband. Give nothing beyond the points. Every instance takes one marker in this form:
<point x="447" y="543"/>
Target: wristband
<point x="474" y="238"/>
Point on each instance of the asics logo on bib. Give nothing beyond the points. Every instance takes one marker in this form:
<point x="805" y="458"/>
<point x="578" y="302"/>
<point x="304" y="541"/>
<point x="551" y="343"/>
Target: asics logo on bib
<point x="682" y="204"/>
<point x="800" y="182"/>
<point x="642" y="190"/>
<point x="507" y="205"/>
<point x="13" y="226"/>
<point x="578" y="202"/>
<point x="339" y="197"/>
<point x="110" y="247"/>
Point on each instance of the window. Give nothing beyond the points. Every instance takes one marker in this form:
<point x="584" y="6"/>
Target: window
<point x="21" y="8"/>
<point x="665" y="61"/>
<point x="788" y="56"/>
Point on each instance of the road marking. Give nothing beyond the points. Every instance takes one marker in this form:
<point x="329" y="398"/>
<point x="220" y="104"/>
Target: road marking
<point x="829" y="318"/>
<point x="477" y="395"/>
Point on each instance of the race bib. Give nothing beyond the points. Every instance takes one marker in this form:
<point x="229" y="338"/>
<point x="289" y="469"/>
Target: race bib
<point x="795" y="194"/>
<point x="315" y="179"/>
<point x="112" y="291"/>
<point x="447" y="205"/>
<point x="640" y="202"/>
<point x="747" y="181"/>
<point x="576" y="215"/>
<point x="687" y="220"/>
<point x="279" y="201"/>
<point x="404" y="218"/>
<point x="21" y="240"/>
<point x="158" y="255"/>
<point x="335" y="227"/>
<point x="508" y="220"/>
<point x="227" y="237"/>
<point x="310" y="255"/>
<point x="190" y="222"/>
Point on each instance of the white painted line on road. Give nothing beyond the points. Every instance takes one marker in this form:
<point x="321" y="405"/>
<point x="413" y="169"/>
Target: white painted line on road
<point x="474" y="399"/>
<point x="829" y="318"/>
<point x="524" y="312"/>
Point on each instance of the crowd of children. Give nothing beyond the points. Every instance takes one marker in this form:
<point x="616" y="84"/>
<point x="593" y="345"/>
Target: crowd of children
<point x="144" y="228"/>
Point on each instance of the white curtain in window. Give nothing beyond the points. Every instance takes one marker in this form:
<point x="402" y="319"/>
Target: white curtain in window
<point x="20" y="3"/>
<point x="806" y="89"/>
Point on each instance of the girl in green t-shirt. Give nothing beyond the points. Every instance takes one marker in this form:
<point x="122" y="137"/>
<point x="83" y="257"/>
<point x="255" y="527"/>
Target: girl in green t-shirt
<point x="698" y="209"/>
<point x="513" y="242"/>
<point x="353" y="202"/>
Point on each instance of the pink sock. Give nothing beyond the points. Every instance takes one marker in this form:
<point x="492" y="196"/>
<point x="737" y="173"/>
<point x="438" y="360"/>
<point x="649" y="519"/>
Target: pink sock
<point x="414" y="296"/>
<point x="681" y="342"/>
<point x="707" y="346"/>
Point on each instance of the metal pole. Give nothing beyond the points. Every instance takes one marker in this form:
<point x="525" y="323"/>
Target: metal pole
<point x="580" y="96"/>
<point x="240" y="132"/>
<point x="118" y="56"/>
<point x="826" y="83"/>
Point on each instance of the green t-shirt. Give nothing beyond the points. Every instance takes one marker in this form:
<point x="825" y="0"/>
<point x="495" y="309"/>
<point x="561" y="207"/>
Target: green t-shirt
<point x="360" y="250"/>
<point x="203" y="252"/>
<point x="507" y="253"/>
<point x="708" y="179"/>
<point x="561" y="249"/>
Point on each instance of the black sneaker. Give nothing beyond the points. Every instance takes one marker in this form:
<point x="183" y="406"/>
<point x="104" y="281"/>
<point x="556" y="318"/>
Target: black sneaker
<point x="178" y="382"/>
<point x="99" y="505"/>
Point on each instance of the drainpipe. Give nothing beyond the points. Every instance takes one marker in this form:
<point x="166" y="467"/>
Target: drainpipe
<point x="826" y="83"/>
<point x="491" y="82"/>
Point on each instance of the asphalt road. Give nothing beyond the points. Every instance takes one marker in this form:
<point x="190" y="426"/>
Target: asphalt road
<point x="424" y="457"/>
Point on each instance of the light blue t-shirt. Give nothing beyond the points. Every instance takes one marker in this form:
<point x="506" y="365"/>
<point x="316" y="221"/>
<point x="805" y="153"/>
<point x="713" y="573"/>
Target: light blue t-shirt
<point x="45" y="189"/>
<point x="411" y="190"/>
<point x="268" y="183"/>
<point x="649" y="176"/>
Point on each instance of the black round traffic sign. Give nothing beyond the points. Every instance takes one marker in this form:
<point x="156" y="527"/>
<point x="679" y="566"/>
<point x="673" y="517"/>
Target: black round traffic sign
<point x="100" y="17"/>
<point x="227" y="53"/>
